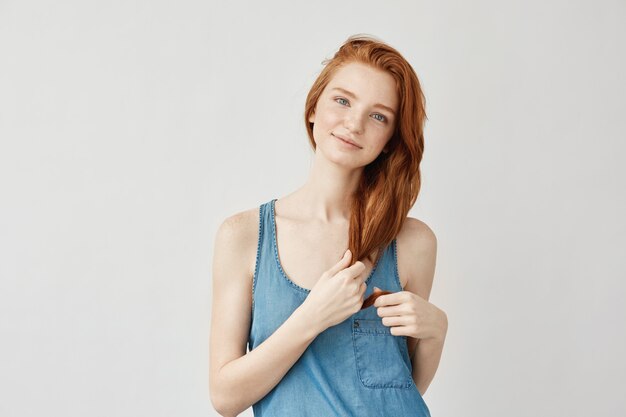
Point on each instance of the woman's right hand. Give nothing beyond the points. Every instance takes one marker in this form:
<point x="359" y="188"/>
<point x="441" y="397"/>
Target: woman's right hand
<point x="338" y="294"/>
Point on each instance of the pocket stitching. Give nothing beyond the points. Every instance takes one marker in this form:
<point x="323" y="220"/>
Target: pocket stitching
<point x="375" y="331"/>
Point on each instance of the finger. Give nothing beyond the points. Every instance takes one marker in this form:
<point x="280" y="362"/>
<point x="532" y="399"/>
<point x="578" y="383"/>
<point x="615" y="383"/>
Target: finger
<point x="355" y="270"/>
<point x="372" y="298"/>
<point x="342" y="264"/>
<point x="396" y="310"/>
<point x="390" y="298"/>
<point x="361" y="290"/>
<point x="377" y="291"/>
<point x="400" y="330"/>
<point x="395" y="321"/>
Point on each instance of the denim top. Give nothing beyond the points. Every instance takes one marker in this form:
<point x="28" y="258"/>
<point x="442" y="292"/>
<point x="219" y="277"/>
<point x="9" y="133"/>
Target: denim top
<point x="356" y="368"/>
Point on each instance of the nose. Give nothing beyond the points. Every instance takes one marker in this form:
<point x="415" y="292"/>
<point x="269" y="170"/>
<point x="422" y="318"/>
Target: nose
<point x="354" y="122"/>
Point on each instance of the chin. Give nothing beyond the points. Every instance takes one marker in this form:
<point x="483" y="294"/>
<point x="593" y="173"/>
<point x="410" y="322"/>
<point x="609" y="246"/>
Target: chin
<point x="339" y="158"/>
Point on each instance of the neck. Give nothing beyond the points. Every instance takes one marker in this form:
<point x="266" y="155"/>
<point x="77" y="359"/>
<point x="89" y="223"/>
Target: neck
<point x="328" y="192"/>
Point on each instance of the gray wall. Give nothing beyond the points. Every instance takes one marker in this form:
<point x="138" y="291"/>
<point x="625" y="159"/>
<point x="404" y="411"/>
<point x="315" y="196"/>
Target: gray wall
<point x="130" y="130"/>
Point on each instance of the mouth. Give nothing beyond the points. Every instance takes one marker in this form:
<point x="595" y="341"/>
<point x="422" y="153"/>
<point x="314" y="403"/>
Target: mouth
<point x="348" y="141"/>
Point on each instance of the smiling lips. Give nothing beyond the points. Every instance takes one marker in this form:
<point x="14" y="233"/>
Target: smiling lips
<point x="346" y="140"/>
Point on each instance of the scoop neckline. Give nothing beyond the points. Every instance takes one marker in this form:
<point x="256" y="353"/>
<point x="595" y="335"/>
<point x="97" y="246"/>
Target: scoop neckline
<point x="280" y="267"/>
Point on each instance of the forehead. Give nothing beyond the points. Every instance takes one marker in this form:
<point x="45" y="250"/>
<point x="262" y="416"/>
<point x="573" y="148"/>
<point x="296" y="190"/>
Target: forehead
<point x="369" y="84"/>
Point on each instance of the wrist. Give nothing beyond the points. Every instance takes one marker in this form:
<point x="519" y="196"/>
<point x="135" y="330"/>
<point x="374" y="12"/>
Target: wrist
<point x="307" y="322"/>
<point x="443" y="326"/>
<point x="440" y="327"/>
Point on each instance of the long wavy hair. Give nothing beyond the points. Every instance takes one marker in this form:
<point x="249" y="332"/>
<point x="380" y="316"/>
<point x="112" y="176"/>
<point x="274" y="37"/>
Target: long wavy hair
<point x="389" y="185"/>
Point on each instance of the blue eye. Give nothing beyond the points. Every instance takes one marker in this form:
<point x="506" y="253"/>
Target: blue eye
<point x="382" y="118"/>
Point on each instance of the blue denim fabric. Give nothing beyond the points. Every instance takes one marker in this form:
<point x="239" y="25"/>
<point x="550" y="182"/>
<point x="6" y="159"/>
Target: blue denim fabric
<point x="354" y="369"/>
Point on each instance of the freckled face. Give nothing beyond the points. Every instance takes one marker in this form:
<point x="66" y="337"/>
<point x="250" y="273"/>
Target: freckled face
<point x="358" y="105"/>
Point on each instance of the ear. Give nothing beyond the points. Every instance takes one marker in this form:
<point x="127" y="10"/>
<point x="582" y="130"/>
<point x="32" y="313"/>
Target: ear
<point x="312" y="117"/>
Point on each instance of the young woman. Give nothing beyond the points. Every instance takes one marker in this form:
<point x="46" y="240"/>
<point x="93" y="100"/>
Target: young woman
<point x="290" y="277"/>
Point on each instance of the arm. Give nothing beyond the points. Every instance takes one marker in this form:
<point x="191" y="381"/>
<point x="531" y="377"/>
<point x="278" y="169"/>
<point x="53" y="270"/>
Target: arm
<point x="426" y="361"/>
<point x="238" y="379"/>
<point x="425" y="353"/>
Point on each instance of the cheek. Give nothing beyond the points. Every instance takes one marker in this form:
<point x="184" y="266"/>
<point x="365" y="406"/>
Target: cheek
<point x="380" y="138"/>
<point x="328" y="116"/>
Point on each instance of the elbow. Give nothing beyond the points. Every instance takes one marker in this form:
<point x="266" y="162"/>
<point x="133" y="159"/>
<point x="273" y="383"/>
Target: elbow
<point x="222" y="407"/>
<point x="222" y="402"/>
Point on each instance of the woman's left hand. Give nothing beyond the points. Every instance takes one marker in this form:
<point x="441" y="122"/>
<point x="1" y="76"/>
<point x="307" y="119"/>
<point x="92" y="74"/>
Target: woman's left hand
<point x="408" y="314"/>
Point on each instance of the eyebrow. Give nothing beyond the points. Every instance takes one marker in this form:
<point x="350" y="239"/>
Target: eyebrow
<point x="350" y="93"/>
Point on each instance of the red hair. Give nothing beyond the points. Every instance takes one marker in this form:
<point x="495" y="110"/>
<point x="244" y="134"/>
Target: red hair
<point x="390" y="184"/>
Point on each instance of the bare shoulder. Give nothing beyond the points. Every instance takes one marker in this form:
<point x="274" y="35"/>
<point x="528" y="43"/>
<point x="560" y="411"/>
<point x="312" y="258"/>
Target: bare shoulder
<point x="238" y="236"/>
<point x="417" y="254"/>
<point x="418" y="233"/>
<point x="240" y="224"/>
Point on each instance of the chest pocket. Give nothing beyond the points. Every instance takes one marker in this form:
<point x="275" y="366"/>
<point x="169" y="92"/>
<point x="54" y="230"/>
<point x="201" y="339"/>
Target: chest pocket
<point x="380" y="356"/>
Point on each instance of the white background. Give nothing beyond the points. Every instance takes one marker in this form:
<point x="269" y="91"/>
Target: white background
<point x="130" y="130"/>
